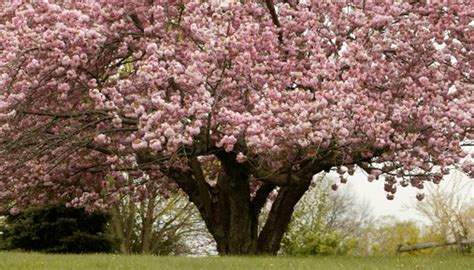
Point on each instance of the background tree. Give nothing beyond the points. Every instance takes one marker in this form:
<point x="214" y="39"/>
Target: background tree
<point x="388" y="234"/>
<point x="159" y="225"/>
<point x="450" y="209"/>
<point x="230" y="101"/>
<point x="56" y="228"/>
<point x="327" y="223"/>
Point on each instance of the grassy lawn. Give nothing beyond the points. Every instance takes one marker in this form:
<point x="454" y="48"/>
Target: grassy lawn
<point x="36" y="261"/>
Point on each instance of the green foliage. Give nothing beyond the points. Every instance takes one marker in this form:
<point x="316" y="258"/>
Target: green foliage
<point x="2" y="240"/>
<point x="159" y="226"/>
<point x="389" y="235"/>
<point x="58" y="229"/>
<point x="319" y="243"/>
<point x="384" y="237"/>
<point x="324" y="223"/>
<point x="450" y="208"/>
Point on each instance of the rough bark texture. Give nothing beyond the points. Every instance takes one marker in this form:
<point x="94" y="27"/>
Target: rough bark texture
<point x="279" y="217"/>
<point x="229" y="211"/>
<point x="237" y="228"/>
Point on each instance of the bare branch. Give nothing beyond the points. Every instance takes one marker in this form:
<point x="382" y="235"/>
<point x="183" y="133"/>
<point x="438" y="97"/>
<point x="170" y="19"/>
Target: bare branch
<point x="271" y="8"/>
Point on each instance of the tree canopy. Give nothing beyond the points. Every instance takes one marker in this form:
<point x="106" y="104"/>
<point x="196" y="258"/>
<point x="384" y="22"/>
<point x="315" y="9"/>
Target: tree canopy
<point x="233" y="101"/>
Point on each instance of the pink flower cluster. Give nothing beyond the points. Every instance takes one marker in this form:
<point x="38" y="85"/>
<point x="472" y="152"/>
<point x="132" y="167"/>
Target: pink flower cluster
<point x="90" y="88"/>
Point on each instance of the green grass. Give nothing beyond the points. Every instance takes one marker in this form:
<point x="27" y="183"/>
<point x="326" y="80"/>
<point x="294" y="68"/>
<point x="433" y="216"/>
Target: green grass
<point x="37" y="261"/>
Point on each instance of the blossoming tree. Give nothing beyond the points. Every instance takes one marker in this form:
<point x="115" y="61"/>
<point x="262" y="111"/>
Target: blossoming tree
<point x="235" y="102"/>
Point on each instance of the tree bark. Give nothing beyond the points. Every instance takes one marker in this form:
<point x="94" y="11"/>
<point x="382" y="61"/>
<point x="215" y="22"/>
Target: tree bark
<point x="279" y="217"/>
<point x="122" y="225"/>
<point x="235" y="228"/>
<point x="229" y="211"/>
<point x="147" y="227"/>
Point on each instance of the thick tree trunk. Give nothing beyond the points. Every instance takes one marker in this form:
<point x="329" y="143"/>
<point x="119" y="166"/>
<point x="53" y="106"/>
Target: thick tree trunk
<point x="240" y="235"/>
<point x="280" y="216"/>
<point x="231" y="214"/>
<point x="232" y="224"/>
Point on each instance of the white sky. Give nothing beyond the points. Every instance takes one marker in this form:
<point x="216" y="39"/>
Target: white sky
<point x="374" y="194"/>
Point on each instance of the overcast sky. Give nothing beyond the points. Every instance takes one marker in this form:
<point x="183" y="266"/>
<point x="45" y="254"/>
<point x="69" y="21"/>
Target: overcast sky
<point x="374" y="194"/>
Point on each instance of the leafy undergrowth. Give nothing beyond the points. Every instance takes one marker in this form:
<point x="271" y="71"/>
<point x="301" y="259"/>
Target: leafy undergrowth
<point x="37" y="261"/>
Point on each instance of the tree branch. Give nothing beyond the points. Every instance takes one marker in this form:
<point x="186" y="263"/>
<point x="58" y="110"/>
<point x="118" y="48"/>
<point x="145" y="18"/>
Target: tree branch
<point x="261" y="197"/>
<point x="271" y="8"/>
<point x="188" y="184"/>
<point x="202" y="185"/>
<point x="279" y="217"/>
<point x="276" y="21"/>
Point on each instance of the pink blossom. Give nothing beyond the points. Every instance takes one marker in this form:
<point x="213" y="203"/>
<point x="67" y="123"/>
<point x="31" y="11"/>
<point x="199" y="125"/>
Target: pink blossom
<point x="101" y="139"/>
<point x="139" y="144"/>
<point x="151" y="48"/>
<point x="64" y="87"/>
<point x="424" y="81"/>
<point x="155" y="144"/>
<point x="14" y="211"/>
<point x="326" y="85"/>
<point x="169" y="132"/>
<point x="241" y="157"/>
<point x="370" y="178"/>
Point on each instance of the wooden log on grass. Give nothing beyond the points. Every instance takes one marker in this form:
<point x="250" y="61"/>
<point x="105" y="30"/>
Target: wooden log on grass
<point x="433" y="244"/>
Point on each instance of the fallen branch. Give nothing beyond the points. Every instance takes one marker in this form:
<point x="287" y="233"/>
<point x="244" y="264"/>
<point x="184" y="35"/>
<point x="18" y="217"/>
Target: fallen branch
<point x="434" y="244"/>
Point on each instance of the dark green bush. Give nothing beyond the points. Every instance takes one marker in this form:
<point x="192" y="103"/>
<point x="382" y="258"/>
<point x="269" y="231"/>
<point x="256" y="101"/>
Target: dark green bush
<point x="57" y="229"/>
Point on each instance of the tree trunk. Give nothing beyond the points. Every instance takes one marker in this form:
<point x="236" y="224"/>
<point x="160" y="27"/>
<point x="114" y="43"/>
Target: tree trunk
<point x="117" y="229"/>
<point x="230" y="212"/>
<point x="231" y="223"/>
<point x="279" y="217"/>
<point x="147" y="217"/>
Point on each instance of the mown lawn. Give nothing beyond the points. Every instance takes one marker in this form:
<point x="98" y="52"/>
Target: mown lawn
<point x="36" y="261"/>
